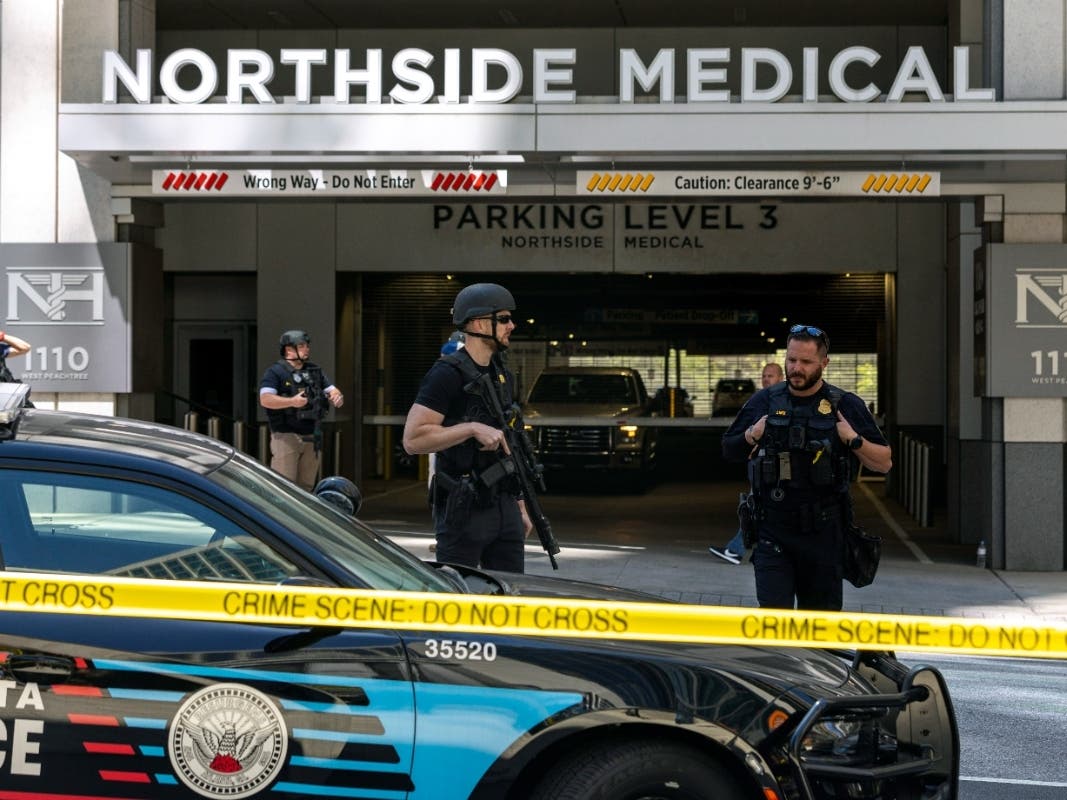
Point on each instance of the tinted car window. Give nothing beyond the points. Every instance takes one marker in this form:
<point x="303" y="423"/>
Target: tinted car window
<point x="374" y="560"/>
<point x="106" y="525"/>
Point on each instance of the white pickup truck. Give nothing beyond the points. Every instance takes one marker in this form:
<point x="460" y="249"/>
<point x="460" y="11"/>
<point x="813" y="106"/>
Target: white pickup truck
<point x="599" y="410"/>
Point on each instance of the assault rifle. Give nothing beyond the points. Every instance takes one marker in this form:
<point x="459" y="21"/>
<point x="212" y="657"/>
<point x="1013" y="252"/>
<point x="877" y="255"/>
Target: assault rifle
<point x="522" y="458"/>
<point x="310" y="381"/>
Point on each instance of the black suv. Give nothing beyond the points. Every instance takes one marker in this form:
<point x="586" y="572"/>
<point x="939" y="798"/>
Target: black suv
<point x="115" y="704"/>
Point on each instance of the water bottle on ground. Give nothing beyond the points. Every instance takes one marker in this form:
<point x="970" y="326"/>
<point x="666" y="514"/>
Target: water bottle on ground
<point x="981" y="554"/>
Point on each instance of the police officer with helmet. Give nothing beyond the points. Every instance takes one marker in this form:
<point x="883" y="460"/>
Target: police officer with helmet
<point x="296" y="395"/>
<point x="798" y="438"/>
<point x="479" y="519"/>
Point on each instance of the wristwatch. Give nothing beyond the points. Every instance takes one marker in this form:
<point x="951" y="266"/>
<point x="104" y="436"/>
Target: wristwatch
<point x="856" y="443"/>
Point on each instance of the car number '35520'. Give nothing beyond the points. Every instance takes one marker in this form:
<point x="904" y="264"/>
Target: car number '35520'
<point x="464" y="651"/>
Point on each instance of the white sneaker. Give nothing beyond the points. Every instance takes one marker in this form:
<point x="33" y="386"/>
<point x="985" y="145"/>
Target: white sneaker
<point x="726" y="554"/>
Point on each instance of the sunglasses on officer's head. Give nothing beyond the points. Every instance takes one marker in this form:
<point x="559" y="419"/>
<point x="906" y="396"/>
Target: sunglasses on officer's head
<point x="810" y="330"/>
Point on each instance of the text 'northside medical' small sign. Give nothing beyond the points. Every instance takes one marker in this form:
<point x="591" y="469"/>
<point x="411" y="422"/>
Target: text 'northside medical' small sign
<point x="759" y="184"/>
<point x="327" y="183"/>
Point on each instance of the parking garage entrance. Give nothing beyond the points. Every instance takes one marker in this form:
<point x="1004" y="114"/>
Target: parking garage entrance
<point x="683" y="332"/>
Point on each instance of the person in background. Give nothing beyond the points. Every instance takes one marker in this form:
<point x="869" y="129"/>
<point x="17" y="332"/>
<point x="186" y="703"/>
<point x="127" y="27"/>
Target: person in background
<point x="734" y="552"/>
<point x="805" y="433"/>
<point x="10" y="346"/>
<point x="296" y="395"/>
<point x="479" y="518"/>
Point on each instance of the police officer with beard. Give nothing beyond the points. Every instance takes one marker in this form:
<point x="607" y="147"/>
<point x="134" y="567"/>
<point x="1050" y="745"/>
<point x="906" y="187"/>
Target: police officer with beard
<point x="479" y="518"/>
<point x="296" y="395"/>
<point x="804" y="432"/>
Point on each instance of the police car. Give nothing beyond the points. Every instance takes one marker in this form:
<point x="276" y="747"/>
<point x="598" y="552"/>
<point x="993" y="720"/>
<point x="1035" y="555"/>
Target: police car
<point x="105" y="703"/>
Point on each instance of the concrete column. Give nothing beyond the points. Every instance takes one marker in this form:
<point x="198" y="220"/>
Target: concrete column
<point x="965" y="497"/>
<point x="1007" y="462"/>
<point x="296" y="279"/>
<point x="1033" y="49"/>
<point x="29" y="96"/>
<point x="1035" y="429"/>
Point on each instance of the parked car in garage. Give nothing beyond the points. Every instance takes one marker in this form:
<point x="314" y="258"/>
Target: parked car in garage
<point x="129" y="706"/>
<point x="672" y="401"/>
<point x="730" y="396"/>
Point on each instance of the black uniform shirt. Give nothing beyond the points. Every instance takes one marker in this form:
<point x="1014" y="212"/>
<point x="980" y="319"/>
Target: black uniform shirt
<point x="442" y="391"/>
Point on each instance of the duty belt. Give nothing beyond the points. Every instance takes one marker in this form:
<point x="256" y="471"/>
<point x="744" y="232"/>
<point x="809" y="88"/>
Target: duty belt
<point x="805" y="516"/>
<point x="487" y="478"/>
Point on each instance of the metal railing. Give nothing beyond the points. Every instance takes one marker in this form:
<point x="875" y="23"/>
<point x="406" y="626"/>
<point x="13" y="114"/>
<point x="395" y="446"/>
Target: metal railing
<point x="913" y="488"/>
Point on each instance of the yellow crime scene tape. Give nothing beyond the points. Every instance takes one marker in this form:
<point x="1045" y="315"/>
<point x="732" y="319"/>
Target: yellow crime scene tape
<point x="524" y="616"/>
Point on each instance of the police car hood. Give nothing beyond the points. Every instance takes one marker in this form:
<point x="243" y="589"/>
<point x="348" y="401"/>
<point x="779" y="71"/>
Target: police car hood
<point x="815" y="673"/>
<point x="610" y="410"/>
<point x="519" y="585"/>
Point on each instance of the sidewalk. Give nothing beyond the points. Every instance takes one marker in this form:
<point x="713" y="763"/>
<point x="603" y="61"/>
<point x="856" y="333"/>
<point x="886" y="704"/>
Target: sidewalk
<point x="921" y="572"/>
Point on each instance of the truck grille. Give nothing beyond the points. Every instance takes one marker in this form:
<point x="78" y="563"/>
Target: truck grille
<point x="575" y="440"/>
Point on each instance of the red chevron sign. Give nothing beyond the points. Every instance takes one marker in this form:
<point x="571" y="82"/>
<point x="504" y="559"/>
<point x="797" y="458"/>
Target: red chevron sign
<point x="463" y="181"/>
<point x="199" y="181"/>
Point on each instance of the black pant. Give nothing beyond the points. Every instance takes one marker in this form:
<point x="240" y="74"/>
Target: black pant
<point x="799" y="566"/>
<point x="491" y="537"/>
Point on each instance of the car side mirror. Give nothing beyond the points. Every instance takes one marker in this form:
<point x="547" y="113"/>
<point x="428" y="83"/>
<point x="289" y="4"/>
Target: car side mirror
<point x="340" y="492"/>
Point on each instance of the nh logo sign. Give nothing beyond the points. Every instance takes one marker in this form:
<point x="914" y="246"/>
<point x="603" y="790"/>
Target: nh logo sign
<point x="1041" y="298"/>
<point x="47" y="295"/>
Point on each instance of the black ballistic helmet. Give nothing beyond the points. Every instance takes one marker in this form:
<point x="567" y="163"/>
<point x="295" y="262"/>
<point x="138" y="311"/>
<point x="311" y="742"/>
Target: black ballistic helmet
<point x="340" y="492"/>
<point x="480" y="299"/>
<point x="292" y="339"/>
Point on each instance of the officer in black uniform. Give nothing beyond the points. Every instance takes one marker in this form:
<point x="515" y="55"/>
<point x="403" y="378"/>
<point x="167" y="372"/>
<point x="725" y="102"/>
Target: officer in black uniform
<point x="798" y="437"/>
<point x="479" y="518"/>
<point x="296" y="395"/>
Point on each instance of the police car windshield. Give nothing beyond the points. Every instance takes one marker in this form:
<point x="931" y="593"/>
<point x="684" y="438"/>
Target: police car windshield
<point x="373" y="559"/>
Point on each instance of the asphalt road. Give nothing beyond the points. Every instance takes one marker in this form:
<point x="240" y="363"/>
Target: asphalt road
<point x="1010" y="714"/>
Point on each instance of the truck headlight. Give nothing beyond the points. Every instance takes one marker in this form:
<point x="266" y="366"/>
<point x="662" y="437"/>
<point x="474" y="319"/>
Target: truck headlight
<point x="629" y="432"/>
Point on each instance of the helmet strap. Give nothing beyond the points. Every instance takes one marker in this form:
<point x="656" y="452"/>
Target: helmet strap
<point x="500" y="345"/>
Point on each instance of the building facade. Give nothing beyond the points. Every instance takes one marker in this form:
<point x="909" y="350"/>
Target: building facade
<point x="178" y="186"/>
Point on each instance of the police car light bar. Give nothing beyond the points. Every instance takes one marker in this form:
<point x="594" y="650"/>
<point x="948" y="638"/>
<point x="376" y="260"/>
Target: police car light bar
<point x="12" y="397"/>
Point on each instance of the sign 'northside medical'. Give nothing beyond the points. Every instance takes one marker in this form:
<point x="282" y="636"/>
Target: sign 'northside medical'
<point x="496" y="76"/>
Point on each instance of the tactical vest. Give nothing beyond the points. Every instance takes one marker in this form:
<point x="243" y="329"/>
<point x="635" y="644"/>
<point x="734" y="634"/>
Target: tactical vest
<point x="800" y="452"/>
<point x="466" y="457"/>
<point x="290" y="419"/>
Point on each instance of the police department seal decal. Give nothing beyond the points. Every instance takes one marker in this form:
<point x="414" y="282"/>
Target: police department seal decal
<point x="227" y="740"/>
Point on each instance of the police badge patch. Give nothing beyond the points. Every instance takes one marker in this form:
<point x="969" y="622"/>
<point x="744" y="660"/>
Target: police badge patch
<point x="824" y="406"/>
<point x="227" y="740"/>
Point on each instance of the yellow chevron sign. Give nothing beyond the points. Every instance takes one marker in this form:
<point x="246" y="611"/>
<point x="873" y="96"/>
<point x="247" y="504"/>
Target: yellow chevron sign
<point x="758" y="183"/>
<point x="911" y="182"/>
<point x="620" y="182"/>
